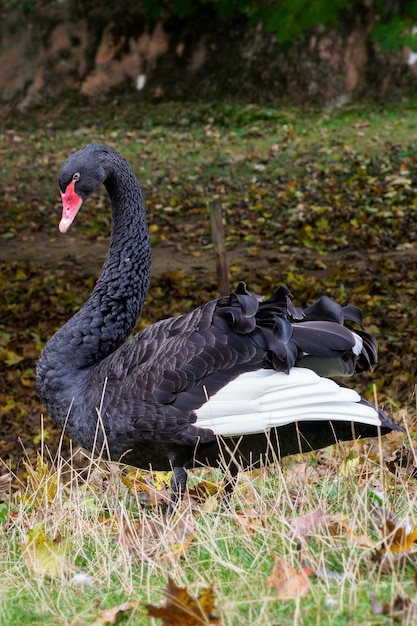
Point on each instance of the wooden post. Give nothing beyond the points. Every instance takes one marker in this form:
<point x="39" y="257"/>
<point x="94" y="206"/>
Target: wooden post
<point x="217" y="233"/>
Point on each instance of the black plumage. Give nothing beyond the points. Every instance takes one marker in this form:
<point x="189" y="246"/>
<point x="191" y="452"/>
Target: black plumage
<point x="148" y="402"/>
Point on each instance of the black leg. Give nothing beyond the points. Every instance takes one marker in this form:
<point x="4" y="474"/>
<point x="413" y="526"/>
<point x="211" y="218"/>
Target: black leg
<point x="178" y="485"/>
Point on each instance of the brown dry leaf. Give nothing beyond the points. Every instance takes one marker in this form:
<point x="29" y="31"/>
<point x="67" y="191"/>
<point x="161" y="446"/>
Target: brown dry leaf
<point x="397" y="538"/>
<point x="388" y="562"/>
<point x="250" y="520"/>
<point x="361" y="124"/>
<point x="44" y="556"/>
<point x="339" y="525"/>
<point x="304" y="525"/>
<point x="204" y="490"/>
<point x="204" y="496"/>
<point x="154" y="536"/>
<point x="129" y="534"/>
<point x="287" y="581"/>
<point x="5" y="482"/>
<point x="301" y="473"/>
<point x="152" y="484"/>
<point x="181" y="609"/>
<point x="404" y="461"/>
<point x="401" y="610"/>
<point x="110" y="616"/>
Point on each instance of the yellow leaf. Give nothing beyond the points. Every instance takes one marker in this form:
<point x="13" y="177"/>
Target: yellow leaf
<point x="45" y="557"/>
<point x="21" y="274"/>
<point x="349" y="467"/>
<point x="43" y="483"/>
<point x="162" y="479"/>
<point x="153" y="483"/>
<point x="9" y="357"/>
<point x="8" y="404"/>
<point x="135" y="480"/>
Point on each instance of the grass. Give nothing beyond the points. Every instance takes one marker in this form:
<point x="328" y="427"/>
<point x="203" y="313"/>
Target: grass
<point x="95" y="524"/>
<point x="199" y="140"/>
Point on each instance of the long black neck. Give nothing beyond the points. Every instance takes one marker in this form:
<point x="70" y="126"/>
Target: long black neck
<point x="111" y="312"/>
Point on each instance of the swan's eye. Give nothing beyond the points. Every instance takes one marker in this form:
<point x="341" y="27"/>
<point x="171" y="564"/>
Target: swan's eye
<point x="76" y="176"/>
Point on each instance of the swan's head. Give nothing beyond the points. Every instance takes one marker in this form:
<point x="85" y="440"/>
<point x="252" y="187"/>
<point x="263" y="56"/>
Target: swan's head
<point x="81" y="174"/>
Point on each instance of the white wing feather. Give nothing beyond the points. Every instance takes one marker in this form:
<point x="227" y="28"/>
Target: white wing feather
<point x="258" y="401"/>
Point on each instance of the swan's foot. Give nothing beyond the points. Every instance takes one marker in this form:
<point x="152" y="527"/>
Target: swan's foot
<point x="177" y="488"/>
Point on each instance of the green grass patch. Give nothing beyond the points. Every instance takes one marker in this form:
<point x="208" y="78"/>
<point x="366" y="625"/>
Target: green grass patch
<point x="112" y="548"/>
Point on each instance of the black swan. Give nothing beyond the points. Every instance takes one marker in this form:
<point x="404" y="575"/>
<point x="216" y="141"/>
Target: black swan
<point x="239" y="380"/>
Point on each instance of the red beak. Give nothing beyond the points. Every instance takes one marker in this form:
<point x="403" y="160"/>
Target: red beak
<point x="71" y="203"/>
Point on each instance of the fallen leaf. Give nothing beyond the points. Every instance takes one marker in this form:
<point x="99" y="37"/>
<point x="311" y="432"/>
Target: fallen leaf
<point x="5" y="482"/>
<point x="154" y="535"/>
<point x="349" y="467"/>
<point x="44" y="556"/>
<point x="301" y="473"/>
<point x="204" y="490"/>
<point x="339" y="525"/>
<point x="206" y="495"/>
<point x="162" y="480"/>
<point x="152" y="484"/>
<point x="388" y="562"/>
<point x="361" y="124"/>
<point x="287" y="581"/>
<point x="42" y="481"/>
<point x="181" y="609"/>
<point x="110" y="616"/>
<point x="178" y="550"/>
<point x="250" y="520"/>
<point x="401" y="610"/>
<point x="129" y="534"/>
<point x="404" y="461"/>
<point x="397" y="538"/>
<point x="304" y="525"/>
<point x="10" y="357"/>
